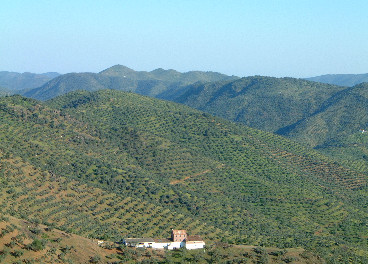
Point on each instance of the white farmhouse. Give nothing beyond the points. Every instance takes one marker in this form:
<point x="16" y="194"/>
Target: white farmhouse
<point x="194" y="242"/>
<point x="179" y="239"/>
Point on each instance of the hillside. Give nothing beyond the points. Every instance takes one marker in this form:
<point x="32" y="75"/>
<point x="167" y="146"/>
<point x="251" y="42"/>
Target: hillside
<point x="337" y="128"/>
<point x="111" y="164"/>
<point x="157" y="83"/>
<point x="265" y="103"/>
<point x="341" y="79"/>
<point x="5" y="91"/>
<point x="20" y="81"/>
<point x="291" y="107"/>
<point x="31" y="242"/>
<point x="327" y="117"/>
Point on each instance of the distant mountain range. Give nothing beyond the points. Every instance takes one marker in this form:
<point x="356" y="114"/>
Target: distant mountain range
<point x="158" y="83"/>
<point x="341" y="79"/>
<point x="21" y="81"/>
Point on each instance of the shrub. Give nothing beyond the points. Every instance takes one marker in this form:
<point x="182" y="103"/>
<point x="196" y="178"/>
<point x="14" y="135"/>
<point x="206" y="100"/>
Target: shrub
<point x="17" y="253"/>
<point x="37" y="245"/>
<point x="95" y="259"/>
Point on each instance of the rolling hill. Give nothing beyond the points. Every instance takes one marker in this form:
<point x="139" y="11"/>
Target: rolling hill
<point x="112" y="164"/>
<point x="22" y="81"/>
<point x="290" y="107"/>
<point x="265" y="103"/>
<point x="341" y="79"/>
<point x="327" y="117"/>
<point x="338" y="128"/>
<point x="158" y="83"/>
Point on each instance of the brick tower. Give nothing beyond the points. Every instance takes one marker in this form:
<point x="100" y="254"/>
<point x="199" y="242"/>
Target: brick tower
<point x="178" y="235"/>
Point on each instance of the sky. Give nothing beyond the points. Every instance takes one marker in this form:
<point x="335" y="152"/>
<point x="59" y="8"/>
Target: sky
<point x="296" y="38"/>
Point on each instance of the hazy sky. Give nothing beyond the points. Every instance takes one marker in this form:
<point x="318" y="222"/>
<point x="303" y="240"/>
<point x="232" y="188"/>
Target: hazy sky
<point x="298" y="38"/>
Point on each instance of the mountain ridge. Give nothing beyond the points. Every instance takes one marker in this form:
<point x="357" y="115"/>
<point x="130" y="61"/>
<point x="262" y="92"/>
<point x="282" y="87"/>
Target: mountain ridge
<point x="341" y="79"/>
<point x="279" y="105"/>
<point x="22" y="81"/>
<point x="155" y="83"/>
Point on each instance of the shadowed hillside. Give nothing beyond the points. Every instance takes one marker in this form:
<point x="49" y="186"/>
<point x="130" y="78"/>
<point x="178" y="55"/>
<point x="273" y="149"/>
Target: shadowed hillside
<point x="327" y="117"/>
<point x="338" y="128"/>
<point x="265" y="103"/>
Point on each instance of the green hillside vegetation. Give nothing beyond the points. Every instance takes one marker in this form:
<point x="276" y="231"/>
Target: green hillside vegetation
<point x="265" y="103"/>
<point x="341" y="79"/>
<point x="291" y="107"/>
<point x="337" y="129"/>
<point x="312" y="113"/>
<point x="111" y="164"/>
<point x="326" y="117"/>
<point x="5" y="91"/>
<point x="21" y="81"/>
<point x="158" y="83"/>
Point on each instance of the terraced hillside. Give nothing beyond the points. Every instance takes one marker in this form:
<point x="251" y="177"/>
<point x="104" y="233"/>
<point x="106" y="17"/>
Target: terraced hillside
<point x="125" y="164"/>
<point x="81" y="209"/>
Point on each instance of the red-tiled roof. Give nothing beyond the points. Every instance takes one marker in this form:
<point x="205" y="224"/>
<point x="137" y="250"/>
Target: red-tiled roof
<point x="194" y="238"/>
<point x="162" y="240"/>
<point x="179" y="232"/>
<point x="139" y="240"/>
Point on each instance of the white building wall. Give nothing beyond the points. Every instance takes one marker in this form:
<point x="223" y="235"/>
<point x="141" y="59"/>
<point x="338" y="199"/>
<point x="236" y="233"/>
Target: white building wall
<point x="194" y="245"/>
<point x="145" y="244"/>
<point x="160" y="245"/>
<point x="174" y="245"/>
